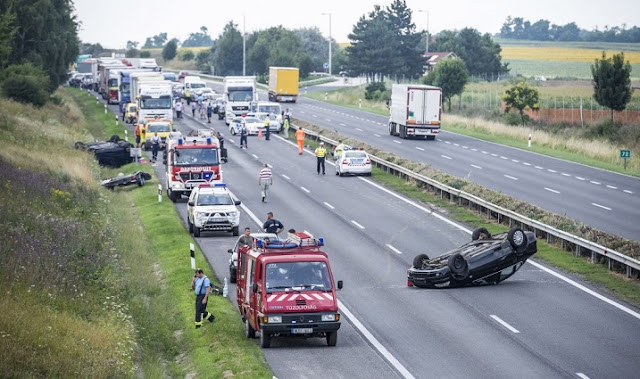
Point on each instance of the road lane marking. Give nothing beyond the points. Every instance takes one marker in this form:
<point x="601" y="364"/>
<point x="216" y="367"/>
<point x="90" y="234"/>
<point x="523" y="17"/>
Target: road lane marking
<point x="601" y="206"/>
<point x="551" y="190"/>
<point x="484" y="152"/>
<point x="254" y="156"/>
<point x="580" y="178"/>
<point x="494" y="155"/>
<point x="313" y="115"/>
<point x="447" y="142"/>
<point x="510" y="177"/>
<point x="627" y="191"/>
<point x="526" y="164"/>
<point x="358" y="129"/>
<point x="269" y="165"/>
<point x="474" y="149"/>
<point x="502" y="157"/>
<point x="377" y="135"/>
<point x="328" y="119"/>
<point x="341" y="124"/>
<point x="464" y="147"/>
<point x="456" y="144"/>
<point x="515" y="161"/>
<point x="394" y="249"/>
<point x="444" y="156"/>
<point x="329" y="205"/>
<point x="539" y="167"/>
<point x="565" y="174"/>
<point x="356" y="224"/>
<point x="375" y="343"/>
<point x="478" y="167"/>
<point x="503" y="323"/>
<point x="419" y="148"/>
<point x="612" y="187"/>
<point x="305" y="190"/>
<point x="550" y="170"/>
<point x="594" y="182"/>
<point x="396" y="141"/>
<point x="286" y="177"/>
<point x="581" y="375"/>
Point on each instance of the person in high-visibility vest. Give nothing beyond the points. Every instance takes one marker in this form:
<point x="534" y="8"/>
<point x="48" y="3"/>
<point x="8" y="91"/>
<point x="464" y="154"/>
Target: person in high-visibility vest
<point x="338" y="150"/>
<point x="300" y="139"/>
<point x="321" y="152"/>
<point x="267" y="132"/>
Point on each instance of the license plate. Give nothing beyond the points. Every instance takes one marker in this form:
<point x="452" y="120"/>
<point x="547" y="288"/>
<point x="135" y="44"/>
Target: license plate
<point x="218" y="219"/>
<point x="301" y="330"/>
<point x="357" y="160"/>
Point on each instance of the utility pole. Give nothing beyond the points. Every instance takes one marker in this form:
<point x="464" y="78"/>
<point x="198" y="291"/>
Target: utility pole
<point x="329" y="14"/>
<point x="426" y="50"/>
<point x="244" y="46"/>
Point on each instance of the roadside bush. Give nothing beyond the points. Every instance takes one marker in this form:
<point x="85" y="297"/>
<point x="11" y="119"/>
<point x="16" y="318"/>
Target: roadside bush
<point x="186" y="55"/>
<point x="514" y="119"/>
<point x="145" y="54"/>
<point x="372" y="88"/>
<point x="604" y="129"/>
<point x="25" y="83"/>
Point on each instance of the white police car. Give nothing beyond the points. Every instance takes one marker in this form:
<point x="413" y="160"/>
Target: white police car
<point x="253" y="125"/>
<point x="353" y="161"/>
<point x="212" y="208"/>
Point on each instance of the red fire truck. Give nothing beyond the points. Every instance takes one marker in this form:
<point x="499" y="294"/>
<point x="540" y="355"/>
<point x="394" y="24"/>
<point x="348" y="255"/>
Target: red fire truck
<point x="191" y="161"/>
<point x="286" y="288"/>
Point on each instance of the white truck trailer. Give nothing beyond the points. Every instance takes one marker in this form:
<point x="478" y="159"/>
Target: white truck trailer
<point x="238" y="93"/>
<point x="415" y="111"/>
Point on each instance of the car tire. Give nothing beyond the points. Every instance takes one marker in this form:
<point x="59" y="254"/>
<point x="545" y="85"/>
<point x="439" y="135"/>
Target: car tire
<point x="196" y="231"/>
<point x="265" y="339"/>
<point x="249" y="332"/>
<point x="233" y="131"/>
<point x="190" y="225"/>
<point x="332" y="338"/>
<point x="236" y="230"/>
<point x="478" y="232"/>
<point x="518" y="240"/>
<point x="367" y="174"/>
<point x="420" y="260"/>
<point x="458" y="266"/>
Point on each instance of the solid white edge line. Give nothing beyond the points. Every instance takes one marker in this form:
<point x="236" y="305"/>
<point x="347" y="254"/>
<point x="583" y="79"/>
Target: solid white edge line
<point x="587" y="290"/>
<point x="254" y="156"/>
<point x="356" y="224"/>
<point x="305" y="190"/>
<point x="551" y="190"/>
<point x="329" y="205"/>
<point x="394" y="249"/>
<point x="286" y="177"/>
<point x="374" y="341"/>
<point x="601" y="206"/>
<point x="503" y="323"/>
<point x="251" y="215"/>
<point x="581" y="375"/>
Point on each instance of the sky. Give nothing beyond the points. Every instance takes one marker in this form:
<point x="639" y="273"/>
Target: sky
<point x="114" y="22"/>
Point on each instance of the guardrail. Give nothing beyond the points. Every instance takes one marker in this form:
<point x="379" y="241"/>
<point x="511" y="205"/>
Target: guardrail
<point x="569" y="241"/>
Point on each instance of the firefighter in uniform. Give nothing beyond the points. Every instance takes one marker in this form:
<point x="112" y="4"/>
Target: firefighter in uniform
<point x="201" y="285"/>
<point x="321" y="152"/>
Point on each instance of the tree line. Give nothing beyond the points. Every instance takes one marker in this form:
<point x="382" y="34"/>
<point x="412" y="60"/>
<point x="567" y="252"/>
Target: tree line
<point x="544" y="30"/>
<point x="38" y="42"/>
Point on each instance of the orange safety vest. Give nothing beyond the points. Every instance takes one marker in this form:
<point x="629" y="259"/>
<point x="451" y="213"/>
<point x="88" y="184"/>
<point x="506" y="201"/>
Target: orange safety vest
<point x="300" y="135"/>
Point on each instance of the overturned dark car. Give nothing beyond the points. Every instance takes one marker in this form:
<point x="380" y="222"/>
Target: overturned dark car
<point x="122" y="180"/>
<point x="486" y="259"/>
<point x="113" y="153"/>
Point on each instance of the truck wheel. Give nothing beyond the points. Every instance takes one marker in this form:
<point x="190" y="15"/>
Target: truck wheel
<point x="332" y="338"/>
<point x="173" y="196"/>
<point x="249" y="332"/>
<point x="196" y="231"/>
<point x="459" y="266"/>
<point x="518" y="240"/>
<point x="392" y="129"/>
<point x="232" y="276"/>
<point x="480" y="233"/>
<point x="265" y="339"/>
<point x="420" y="260"/>
<point x="403" y="132"/>
<point x="236" y="230"/>
<point x="431" y="138"/>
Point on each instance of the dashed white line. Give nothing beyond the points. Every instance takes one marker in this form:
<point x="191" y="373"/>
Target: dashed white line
<point x="515" y="161"/>
<point x="305" y="190"/>
<point x="526" y="164"/>
<point x="286" y="177"/>
<point x="503" y="323"/>
<point x="478" y="167"/>
<point x="254" y="156"/>
<point x="551" y="190"/>
<point x="550" y="170"/>
<point x="580" y="178"/>
<point x="444" y="156"/>
<point x="358" y="129"/>
<point x="601" y="206"/>
<point x="419" y="148"/>
<point x="565" y="174"/>
<point x="474" y="149"/>
<point x="269" y="165"/>
<point x="612" y="187"/>
<point x="464" y="147"/>
<point x="539" y="167"/>
<point x="378" y="135"/>
<point x="328" y="119"/>
<point x="494" y="155"/>
<point x="396" y="141"/>
<point x="594" y="182"/>
<point x="502" y="157"/>
<point x="394" y="249"/>
<point x="581" y="375"/>
<point x="484" y="152"/>
<point x="313" y="115"/>
<point x="329" y="205"/>
<point x="627" y="191"/>
<point x="356" y="224"/>
<point x="510" y="177"/>
<point x="456" y="144"/>
<point x="447" y="142"/>
<point x="341" y="124"/>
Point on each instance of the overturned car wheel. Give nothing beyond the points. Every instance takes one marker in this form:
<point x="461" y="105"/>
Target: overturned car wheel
<point x="420" y="260"/>
<point x="518" y="240"/>
<point x="458" y="266"/>
<point x="480" y="233"/>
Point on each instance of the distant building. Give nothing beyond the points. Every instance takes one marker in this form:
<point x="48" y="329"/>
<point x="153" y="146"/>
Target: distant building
<point x="433" y="57"/>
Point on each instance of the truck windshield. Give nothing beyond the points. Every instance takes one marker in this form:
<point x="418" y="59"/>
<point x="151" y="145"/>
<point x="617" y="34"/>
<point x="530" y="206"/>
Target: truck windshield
<point x="196" y="85"/>
<point x="196" y="157"/>
<point x="211" y="199"/>
<point x="297" y="276"/>
<point x="240" y="93"/>
<point x="163" y="102"/>
<point x="125" y="87"/>
<point x="113" y="82"/>
<point x="269" y="109"/>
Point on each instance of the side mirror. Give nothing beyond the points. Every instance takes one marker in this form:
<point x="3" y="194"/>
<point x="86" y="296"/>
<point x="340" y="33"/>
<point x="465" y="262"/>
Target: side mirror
<point x="254" y="287"/>
<point x="230" y="251"/>
<point x="340" y="284"/>
<point x="191" y="203"/>
<point x="164" y="161"/>
<point x="237" y="202"/>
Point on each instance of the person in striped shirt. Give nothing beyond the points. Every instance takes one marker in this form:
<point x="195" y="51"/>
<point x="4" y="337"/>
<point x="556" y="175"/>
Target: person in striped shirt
<point x="265" y="179"/>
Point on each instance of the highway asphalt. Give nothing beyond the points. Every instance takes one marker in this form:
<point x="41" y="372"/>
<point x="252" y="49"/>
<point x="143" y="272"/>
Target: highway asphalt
<point x="535" y="324"/>
<point x="601" y="199"/>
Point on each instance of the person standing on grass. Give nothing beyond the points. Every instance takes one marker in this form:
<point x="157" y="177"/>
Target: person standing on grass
<point x="136" y="133"/>
<point x="300" y="139"/>
<point x="265" y="179"/>
<point x="202" y="288"/>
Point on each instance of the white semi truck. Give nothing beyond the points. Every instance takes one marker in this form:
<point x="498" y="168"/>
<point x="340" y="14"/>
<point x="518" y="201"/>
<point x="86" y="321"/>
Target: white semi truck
<point x="155" y="100"/>
<point x="415" y="111"/>
<point x="238" y="93"/>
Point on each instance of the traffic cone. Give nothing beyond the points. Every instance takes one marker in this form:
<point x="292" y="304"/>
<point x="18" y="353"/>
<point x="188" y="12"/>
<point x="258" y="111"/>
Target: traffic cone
<point x="259" y="133"/>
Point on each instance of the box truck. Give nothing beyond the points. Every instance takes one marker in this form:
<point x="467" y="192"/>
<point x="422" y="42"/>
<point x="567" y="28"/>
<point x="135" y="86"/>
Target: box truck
<point x="283" y="84"/>
<point x="415" y="111"/>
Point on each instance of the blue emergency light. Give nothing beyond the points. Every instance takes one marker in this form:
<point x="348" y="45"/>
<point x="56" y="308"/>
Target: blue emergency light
<point x="208" y="140"/>
<point x="220" y="185"/>
<point x="179" y="141"/>
<point x="259" y="243"/>
<point x="320" y="241"/>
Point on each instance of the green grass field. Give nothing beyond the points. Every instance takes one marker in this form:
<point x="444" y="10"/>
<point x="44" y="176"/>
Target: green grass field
<point x="558" y="69"/>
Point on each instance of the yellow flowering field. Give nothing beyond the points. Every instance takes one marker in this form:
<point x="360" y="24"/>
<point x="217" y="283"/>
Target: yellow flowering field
<point x="562" y="54"/>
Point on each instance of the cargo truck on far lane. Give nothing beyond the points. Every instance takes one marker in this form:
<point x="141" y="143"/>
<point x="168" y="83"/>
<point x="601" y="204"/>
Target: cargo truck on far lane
<point x="283" y="84"/>
<point x="415" y="111"/>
